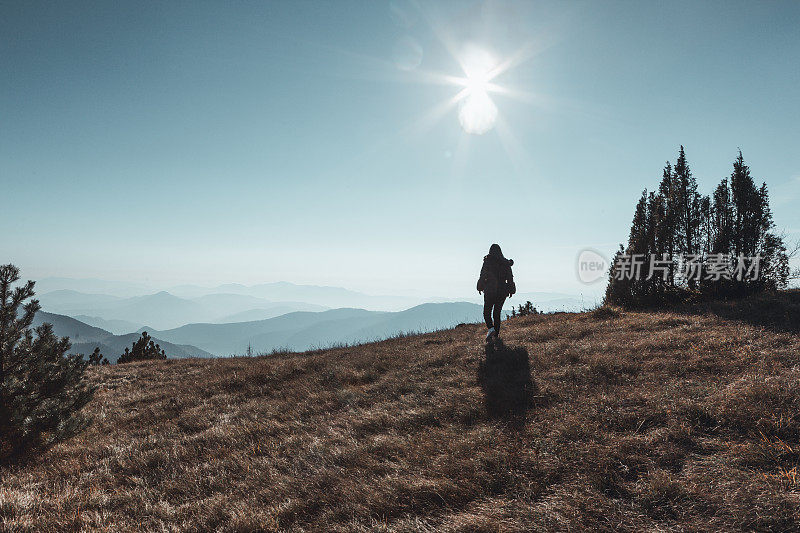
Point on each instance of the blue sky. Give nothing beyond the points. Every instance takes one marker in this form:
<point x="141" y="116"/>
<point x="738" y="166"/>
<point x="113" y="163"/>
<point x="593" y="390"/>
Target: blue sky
<point x="211" y="142"/>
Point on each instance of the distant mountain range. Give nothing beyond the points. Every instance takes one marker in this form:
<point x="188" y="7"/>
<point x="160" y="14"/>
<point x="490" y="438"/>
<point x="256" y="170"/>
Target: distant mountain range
<point x="164" y="310"/>
<point x="93" y="286"/>
<point x="281" y="291"/>
<point x="117" y="327"/>
<point x="85" y="338"/>
<point x="277" y="292"/>
<point x="307" y="330"/>
<point x="298" y="331"/>
<point x="240" y="298"/>
<point x="227" y="319"/>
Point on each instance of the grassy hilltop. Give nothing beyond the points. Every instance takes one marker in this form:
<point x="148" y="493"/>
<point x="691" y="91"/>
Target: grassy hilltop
<point x="632" y="421"/>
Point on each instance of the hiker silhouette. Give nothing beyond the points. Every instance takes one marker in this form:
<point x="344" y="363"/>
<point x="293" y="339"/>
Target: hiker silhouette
<point x="497" y="283"/>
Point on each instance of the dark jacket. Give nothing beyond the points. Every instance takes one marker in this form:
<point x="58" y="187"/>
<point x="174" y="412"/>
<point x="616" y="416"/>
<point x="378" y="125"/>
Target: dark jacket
<point x="496" y="280"/>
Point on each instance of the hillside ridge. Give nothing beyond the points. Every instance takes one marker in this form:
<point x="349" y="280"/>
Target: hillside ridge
<point x="86" y="338"/>
<point x="601" y="420"/>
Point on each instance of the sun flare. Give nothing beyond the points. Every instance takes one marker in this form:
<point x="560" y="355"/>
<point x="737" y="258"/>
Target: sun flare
<point x="477" y="113"/>
<point x="476" y="86"/>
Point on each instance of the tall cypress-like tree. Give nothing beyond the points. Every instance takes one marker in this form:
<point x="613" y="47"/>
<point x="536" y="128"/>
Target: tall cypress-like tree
<point x="751" y="230"/>
<point x="655" y="231"/>
<point x="618" y="291"/>
<point x="746" y="206"/>
<point x="763" y="220"/>
<point x="723" y="219"/>
<point x="668" y="230"/>
<point x="775" y="264"/>
<point x="632" y="291"/>
<point x="689" y="211"/>
<point x="706" y="225"/>
<point x="42" y="389"/>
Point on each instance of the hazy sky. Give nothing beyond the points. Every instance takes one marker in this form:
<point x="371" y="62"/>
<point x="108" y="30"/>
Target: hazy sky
<point x="248" y="142"/>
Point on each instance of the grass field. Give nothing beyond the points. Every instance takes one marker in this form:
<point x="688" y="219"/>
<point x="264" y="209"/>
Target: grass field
<point x="601" y="420"/>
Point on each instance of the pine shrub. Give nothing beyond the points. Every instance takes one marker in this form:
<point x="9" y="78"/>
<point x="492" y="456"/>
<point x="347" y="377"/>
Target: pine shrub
<point x="42" y="390"/>
<point x="142" y="350"/>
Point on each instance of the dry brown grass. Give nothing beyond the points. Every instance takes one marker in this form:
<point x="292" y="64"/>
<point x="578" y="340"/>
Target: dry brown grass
<point x="616" y="421"/>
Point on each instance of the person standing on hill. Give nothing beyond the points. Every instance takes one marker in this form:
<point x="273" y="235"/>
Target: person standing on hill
<point x="497" y="283"/>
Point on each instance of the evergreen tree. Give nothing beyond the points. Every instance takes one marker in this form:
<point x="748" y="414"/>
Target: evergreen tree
<point x="706" y="225"/>
<point x="618" y="291"/>
<point x="96" y="358"/>
<point x="775" y="264"/>
<point x="746" y="205"/>
<point x="639" y="244"/>
<point x="689" y="210"/>
<point x="668" y="231"/>
<point x="143" y="349"/>
<point x="722" y="225"/>
<point x="764" y="223"/>
<point x="636" y="290"/>
<point x="751" y="231"/>
<point x="525" y="310"/>
<point x="736" y="221"/>
<point x="41" y="389"/>
<point x="656" y="215"/>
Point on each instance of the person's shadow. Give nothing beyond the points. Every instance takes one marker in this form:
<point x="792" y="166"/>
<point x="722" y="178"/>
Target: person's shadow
<point x="505" y="378"/>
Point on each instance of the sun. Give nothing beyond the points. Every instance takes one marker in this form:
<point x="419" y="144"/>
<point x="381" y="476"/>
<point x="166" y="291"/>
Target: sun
<point x="477" y="113"/>
<point x="477" y="85"/>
